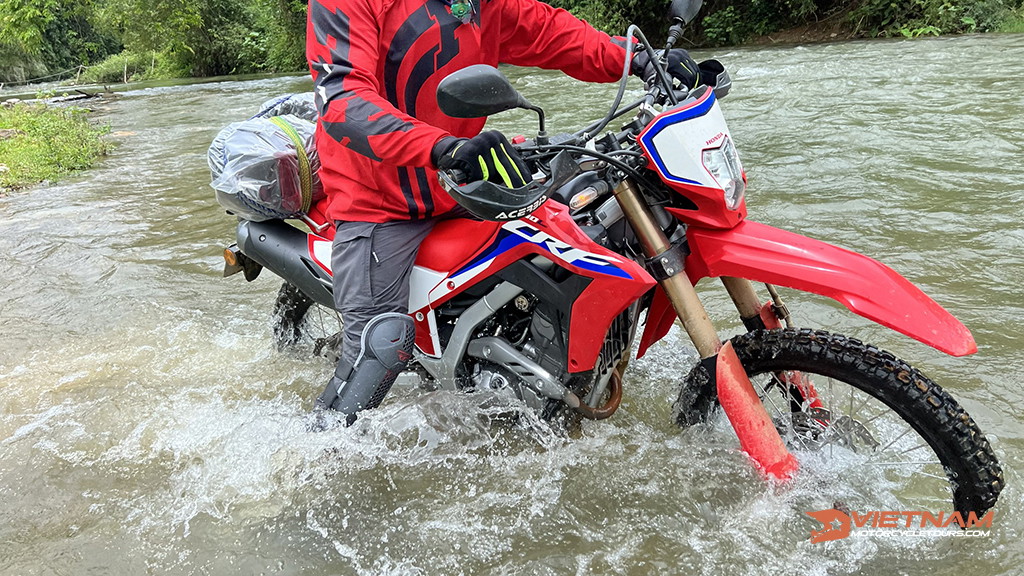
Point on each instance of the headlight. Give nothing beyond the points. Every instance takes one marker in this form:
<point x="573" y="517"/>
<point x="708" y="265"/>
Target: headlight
<point x="724" y="164"/>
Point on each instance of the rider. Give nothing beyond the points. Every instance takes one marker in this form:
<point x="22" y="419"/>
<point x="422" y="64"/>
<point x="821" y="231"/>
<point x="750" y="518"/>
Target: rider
<point x="381" y="137"/>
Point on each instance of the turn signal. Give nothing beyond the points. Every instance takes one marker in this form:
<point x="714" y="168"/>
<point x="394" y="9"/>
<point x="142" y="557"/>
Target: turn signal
<point x="583" y="198"/>
<point x="230" y="257"/>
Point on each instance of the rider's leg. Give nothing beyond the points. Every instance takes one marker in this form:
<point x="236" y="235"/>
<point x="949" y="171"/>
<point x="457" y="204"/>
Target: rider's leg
<point x="371" y="265"/>
<point x="387" y="343"/>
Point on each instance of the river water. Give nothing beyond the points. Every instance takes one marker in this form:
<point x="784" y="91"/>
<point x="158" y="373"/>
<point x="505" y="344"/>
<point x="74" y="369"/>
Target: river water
<point x="147" y="425"/>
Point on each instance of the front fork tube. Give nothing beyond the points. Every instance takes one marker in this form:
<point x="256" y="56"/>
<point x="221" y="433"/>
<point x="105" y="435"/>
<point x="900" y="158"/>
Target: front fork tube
<point x="769" y="316"/>
<point x="678" y="288"/>
<point x="757" y="433"/>
<point x="753" y="313"/>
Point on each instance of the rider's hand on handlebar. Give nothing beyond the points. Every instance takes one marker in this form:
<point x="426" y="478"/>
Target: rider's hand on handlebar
<point x="487" y="156"/>
<point x="680" y="66"/>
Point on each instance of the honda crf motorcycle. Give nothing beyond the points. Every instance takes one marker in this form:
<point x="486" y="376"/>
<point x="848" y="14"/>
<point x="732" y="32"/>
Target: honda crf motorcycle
<point x="549" y="290"/>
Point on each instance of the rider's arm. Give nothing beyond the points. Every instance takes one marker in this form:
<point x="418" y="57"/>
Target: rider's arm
<point x="342" y="49"/>
<point x="536" y="34"/>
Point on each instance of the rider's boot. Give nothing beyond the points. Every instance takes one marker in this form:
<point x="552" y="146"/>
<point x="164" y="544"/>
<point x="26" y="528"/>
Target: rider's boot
<point x="386" y="347"/>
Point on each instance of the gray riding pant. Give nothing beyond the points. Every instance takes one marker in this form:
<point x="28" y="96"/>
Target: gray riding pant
<point x="371" y="264"/>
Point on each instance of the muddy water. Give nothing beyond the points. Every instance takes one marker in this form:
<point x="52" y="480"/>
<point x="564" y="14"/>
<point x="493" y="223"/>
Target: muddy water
<point x="147" y="425"/>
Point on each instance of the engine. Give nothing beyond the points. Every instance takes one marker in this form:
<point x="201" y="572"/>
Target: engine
<point x="529" y="335"/>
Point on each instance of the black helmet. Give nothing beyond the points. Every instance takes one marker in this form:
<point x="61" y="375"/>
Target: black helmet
<point x="489" y="201"/>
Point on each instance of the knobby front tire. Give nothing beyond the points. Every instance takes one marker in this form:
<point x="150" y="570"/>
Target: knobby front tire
<point x="878" y="413"/>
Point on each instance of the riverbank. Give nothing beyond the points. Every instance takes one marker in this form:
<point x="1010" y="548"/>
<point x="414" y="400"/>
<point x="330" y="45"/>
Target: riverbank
<point x="841" y="27"/>
<point x="41" y="143"/>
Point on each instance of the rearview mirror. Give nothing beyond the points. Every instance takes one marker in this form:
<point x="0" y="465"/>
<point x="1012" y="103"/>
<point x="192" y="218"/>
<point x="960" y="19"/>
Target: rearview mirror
<point x="685" y="10"/>
<point x="477" y="91"/>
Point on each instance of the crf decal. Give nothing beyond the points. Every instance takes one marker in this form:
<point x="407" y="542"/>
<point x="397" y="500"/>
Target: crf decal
<point x="557" y="247"/>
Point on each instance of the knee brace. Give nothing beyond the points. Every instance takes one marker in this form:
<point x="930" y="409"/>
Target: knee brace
<point x="386" y="348"/>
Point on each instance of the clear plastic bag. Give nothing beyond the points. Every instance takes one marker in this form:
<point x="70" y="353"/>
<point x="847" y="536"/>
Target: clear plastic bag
<point x="266" y="168"/>
<point x="301" y="105"/>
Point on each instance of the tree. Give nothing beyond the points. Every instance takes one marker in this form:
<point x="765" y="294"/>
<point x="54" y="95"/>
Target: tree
<point x="23" y="23"/>
<point x="40" y="37"/>
<point x="213" y="37"/>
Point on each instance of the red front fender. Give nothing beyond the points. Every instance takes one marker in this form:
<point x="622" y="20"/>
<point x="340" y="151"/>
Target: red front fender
<point x="867" y="287"/>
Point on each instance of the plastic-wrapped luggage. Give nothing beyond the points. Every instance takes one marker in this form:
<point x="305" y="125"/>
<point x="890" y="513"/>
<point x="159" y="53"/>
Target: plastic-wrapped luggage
<point x="301" y="105"/>
<point x="266" y="167"/>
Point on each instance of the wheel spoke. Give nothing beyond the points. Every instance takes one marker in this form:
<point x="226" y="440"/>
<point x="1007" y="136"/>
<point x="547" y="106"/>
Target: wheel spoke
<point x="831" y="446"/>
<point x="903" y="463"/>
<point x="774" y="405"/>
<point x="831" y="437"/>
<point x="861" y="407"/>
<point x="851" y="412"/>
<point x="894" y="440"/>
<point x="300" y="322"/>
<point x="785" y="415"/>
<point x="914" y="448"/>
<point x="921" y="473"/>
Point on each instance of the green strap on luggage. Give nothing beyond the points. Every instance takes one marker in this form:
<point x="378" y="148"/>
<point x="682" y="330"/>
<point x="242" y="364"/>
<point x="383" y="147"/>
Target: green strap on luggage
<point x="305" y="172"/>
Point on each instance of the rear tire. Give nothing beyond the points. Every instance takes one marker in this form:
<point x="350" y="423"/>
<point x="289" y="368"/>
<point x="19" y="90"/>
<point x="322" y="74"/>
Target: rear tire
<point x="297" y="319"/>
<point x="290" y="309"/>
<point x="880" y="391"/>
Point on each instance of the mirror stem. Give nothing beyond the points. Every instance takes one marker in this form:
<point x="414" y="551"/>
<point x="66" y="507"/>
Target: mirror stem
<point x="675" y="32"/>
<point x="542" y="134"/>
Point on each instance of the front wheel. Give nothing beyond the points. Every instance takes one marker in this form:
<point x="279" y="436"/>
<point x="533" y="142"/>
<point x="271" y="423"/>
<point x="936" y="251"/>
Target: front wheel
<point x="860" y="413"/>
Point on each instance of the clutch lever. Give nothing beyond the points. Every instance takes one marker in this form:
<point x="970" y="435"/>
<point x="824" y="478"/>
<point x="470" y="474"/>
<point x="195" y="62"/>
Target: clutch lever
<point x="454" y="176"/>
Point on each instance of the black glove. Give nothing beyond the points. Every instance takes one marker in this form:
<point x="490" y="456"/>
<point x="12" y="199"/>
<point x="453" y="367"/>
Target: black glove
<point x="486" y="156"/>
<point x="679" y="64"/>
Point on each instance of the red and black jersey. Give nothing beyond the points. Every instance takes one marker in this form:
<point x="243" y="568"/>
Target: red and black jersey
<point x="376" y="65"/>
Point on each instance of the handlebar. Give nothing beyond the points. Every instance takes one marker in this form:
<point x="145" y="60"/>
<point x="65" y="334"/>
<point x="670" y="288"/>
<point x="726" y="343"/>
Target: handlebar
<point x="603" y="148"/>
<point x="457" y="176"/>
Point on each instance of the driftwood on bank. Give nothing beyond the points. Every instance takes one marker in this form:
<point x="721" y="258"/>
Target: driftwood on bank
<point x="72" y="97"/>
<point x="81" y="95"/>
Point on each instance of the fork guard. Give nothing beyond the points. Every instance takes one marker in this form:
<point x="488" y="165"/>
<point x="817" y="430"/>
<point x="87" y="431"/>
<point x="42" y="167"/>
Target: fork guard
<point x="754" y="427"/>
<point x="761" y="253"/>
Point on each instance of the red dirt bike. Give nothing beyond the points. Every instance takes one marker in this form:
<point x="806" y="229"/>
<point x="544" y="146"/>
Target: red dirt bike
<point x="546" y="295"/>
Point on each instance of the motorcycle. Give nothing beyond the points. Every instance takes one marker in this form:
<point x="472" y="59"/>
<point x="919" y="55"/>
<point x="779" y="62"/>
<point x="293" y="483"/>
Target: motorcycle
<point x="544" y="295"/>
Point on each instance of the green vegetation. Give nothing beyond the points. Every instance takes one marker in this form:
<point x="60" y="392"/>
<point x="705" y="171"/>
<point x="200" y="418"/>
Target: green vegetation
<point x="155" y="39"/>
<point x="140" y="39"/>
<point x="922" y="17"/>
<point x="212" y="37"/>
<point x="728" y="22"/>
<point x="1014" y="23"/>
<point x="130" y="65"/>
<point x="44" y="37"/>
<point x="40" y="143"/>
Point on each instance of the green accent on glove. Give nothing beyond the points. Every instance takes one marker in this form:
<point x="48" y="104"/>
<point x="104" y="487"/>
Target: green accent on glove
<point x="483" y="168"/>
<point x="500" y="165"/>
<point x="487" y="156"/>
